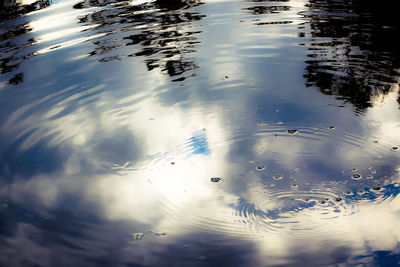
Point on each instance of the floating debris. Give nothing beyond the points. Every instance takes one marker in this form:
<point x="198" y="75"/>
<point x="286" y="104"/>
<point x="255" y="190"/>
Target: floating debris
<point x="260" y="168"/>
<point x="356" y="176"/>
<point x="292" y="131"/>
<point x="215" y="179"/>
<point x="157" y="234"/>
<point x="137" y="236"/>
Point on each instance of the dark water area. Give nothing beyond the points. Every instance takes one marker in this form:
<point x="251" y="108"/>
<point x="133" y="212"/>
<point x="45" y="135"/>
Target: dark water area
<point x="199" y="133"/>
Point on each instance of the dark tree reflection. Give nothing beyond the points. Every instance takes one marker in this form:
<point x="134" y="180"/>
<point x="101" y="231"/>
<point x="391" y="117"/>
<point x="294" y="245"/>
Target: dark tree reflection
<point x="352" y="53"/>
<point x="160" y="32"/>
<point x="13" y="36"/>
<point x="268" y="7"/>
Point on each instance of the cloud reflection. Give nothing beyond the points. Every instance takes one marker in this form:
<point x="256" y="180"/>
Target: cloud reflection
<point x="98" y="154"/>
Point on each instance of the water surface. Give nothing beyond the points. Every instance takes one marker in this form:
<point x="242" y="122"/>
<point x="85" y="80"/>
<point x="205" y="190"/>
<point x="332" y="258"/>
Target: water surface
<point x="199" y="133"/>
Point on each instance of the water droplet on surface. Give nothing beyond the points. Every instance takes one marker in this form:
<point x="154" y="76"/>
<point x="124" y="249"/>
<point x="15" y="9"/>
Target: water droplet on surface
<point x="137" y="236"/>
<point x="395" y="148"/>
<point x="331" y="127"/>
<point x="292" y="131"/>
<point x="356" y="176"/>
<point x="278" y="177"/>
<point x="260" y="168"/>
<point x="215" y="179"/>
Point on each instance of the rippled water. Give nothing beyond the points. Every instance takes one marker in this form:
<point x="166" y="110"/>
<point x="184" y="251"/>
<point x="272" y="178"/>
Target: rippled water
<point x="199" y="133"/>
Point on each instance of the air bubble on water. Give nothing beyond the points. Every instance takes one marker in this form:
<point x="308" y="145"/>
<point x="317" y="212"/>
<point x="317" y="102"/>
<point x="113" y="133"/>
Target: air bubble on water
<point x="349" y="193"/>
<point x="356" y="176"/>
<point x="172" y="163"/>
<point x="373" y="172"/>
<point x="354" y="170"/>
<point x="292" y="131"/>
<point x="369" y="168"/>
<point x="323" y="201"/>
<point x="397" y="168"/>
<point x="331" y="127"/>
<point x="251" y="161"/>
<point x="294" y="186"/>
<point x="361" y="192"/>
<point x="215" y="179"/>
<point x="370" y="176"/>
<point x="137" y="236"/>
<point x="201" y="258"/>
<point x="376" y="187"/>
<point x="296" y="169"/>
<point x="278" y="177"/>
<point x="395" y="148"/>
<point x="260" y="168"/>
<point x="338" y="199"/>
